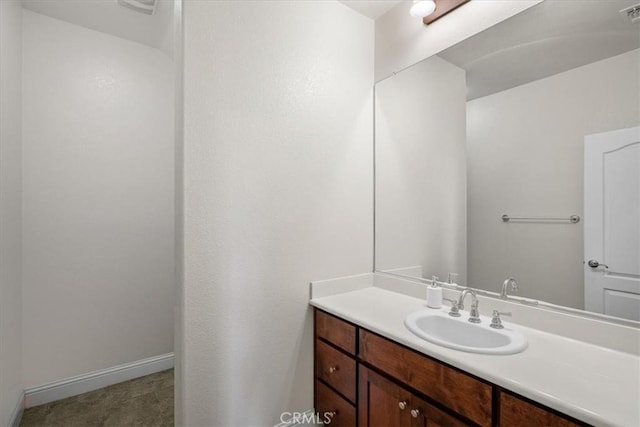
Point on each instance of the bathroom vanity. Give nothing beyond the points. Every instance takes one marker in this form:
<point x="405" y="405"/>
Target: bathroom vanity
<point x="397" y="386"/>
<point x="370" y="371"/>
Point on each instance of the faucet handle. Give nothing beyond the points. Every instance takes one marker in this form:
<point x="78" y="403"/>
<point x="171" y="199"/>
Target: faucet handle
<point x="455" y="310"/>
<point x="496" y="323"/>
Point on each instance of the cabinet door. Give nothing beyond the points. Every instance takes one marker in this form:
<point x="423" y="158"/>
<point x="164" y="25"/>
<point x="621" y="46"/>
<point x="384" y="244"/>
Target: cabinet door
<point x="424" y="414"/>
<point x="381" y="403"/>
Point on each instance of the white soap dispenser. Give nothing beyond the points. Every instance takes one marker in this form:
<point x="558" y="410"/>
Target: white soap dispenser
<point x="434" y="294"/>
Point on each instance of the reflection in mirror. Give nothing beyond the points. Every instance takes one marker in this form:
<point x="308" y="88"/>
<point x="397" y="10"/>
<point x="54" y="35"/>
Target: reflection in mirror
<point x="515" y="121"/>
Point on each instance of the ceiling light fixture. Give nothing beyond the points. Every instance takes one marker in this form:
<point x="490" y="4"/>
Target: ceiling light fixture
<point x="432" y="10"/>
<point x="422" y="8"/>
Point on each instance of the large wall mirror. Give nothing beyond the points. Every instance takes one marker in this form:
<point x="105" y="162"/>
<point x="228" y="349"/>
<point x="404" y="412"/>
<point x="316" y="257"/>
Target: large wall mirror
<point x="535" y="118"/>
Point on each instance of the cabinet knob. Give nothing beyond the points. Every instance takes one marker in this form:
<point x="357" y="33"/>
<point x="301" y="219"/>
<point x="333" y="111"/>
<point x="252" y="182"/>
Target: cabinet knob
<point x="415" y="413"/>
<point x="402" y="405"/>
<point x="332" y="369"/>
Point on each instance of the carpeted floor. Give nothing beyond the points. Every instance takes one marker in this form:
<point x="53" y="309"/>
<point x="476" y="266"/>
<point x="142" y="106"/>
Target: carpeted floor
<point x="146" y="401"/>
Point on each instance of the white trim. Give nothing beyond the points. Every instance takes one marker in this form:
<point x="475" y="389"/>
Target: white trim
<point x="295" y="421"/>
<point x="73" y="386"/>
<point x="16" y="416"/>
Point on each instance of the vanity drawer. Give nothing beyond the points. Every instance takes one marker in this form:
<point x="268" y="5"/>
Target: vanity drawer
<point x="336" y="331"/>
<point x="515" y="411"/>
<point x="336" y="369"/>
<point x="326" y="402"/>
<point x="461" y="393"/>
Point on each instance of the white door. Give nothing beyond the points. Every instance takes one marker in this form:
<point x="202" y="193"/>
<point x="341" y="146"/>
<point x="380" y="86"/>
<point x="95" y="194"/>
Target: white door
<point x="612" y="223"/>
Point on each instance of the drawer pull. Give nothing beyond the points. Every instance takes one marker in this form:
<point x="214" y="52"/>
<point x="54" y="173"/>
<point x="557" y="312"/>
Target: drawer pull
<point x="415" y="413"/>
<point x="402" y="405"/>
<point x="332" y="369"/>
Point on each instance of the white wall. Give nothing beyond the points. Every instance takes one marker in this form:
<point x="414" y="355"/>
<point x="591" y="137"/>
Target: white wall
<point x="278" y="192"/>
<point x="402" y="40"/>
<point x="107" y="16"/>
<point x="98" y="200"/>
<point x="10" y="208"/>
<point x="526" y="158"/>
<point x="421" y="199"/>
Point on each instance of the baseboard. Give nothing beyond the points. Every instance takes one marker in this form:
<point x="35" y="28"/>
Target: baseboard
<point x="306" y="418"/>
<point x="16" y="416"/>
<point x="73" y="386"/>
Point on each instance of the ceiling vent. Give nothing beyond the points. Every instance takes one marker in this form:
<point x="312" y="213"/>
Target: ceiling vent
<point x="143" y="6"/>
<point x="632" y="13"/>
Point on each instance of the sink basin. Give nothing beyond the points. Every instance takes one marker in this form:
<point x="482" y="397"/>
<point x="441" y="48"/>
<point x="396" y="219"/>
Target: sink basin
<point x="438" y="327"/>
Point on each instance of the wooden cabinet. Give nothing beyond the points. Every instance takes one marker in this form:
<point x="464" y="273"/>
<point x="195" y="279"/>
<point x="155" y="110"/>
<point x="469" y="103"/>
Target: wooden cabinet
<point x="516" y="411"/>
<point x="425" y="415"/>
<point x="335" y="370"/>
<point x="463" y="394"/>
<point x="330" y="405"/>
<point x="399" y="387"/>
<point x="383" y="403"/>
<point x="335" y="331"/>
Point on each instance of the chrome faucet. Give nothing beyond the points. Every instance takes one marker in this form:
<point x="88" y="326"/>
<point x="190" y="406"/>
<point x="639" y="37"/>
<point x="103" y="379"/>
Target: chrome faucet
<point x="474" y="316"/>
<point x="509" y="283"/>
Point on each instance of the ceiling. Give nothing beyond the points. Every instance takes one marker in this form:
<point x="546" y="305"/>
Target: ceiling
<point x="108" y="17"/>
<point x="547" y="39"/>
<point x="371" y="8"/>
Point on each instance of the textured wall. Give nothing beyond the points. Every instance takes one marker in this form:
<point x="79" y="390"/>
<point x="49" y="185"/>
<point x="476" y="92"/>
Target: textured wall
<point x="525" y="154"/>
<point x="278" y="192"/>
<point x="10" y="207"/>
<point x="98" y="200"/>
<point x="421" y="198"/>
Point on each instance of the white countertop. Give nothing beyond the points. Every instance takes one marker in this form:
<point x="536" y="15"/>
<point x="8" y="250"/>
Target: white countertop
<point x="594" y="384"/>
